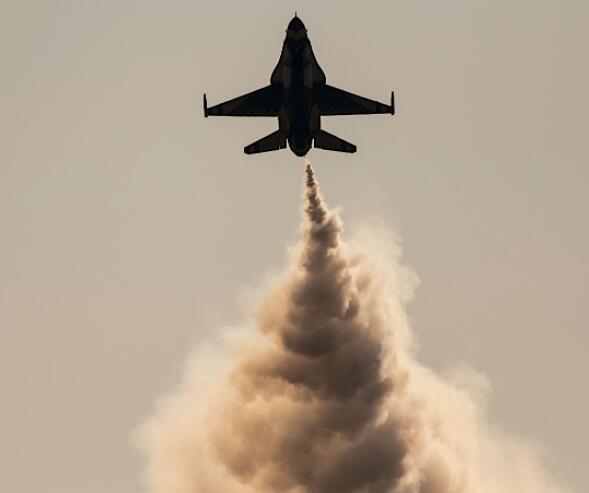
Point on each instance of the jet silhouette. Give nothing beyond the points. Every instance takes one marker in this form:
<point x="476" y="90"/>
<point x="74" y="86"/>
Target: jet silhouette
<point x="298" y="95"/>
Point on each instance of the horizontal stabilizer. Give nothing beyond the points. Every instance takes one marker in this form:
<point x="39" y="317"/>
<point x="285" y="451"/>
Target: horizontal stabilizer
<point x="273" y="142"/>
<point x="329" y="142"/>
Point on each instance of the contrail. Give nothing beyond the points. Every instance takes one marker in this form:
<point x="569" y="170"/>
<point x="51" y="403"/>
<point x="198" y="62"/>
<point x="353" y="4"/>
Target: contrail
<point x="325" y="395"/>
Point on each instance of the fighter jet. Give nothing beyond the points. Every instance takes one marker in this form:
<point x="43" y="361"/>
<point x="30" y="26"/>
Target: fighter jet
<point x="298" y="95"/>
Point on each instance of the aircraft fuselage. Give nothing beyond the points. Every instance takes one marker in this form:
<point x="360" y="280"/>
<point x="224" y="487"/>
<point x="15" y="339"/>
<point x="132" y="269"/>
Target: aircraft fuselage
<point x="297" y="73"/>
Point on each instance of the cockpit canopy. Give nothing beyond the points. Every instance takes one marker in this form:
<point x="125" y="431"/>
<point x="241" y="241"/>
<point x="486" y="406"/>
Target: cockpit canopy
<point x="296" y="30"/>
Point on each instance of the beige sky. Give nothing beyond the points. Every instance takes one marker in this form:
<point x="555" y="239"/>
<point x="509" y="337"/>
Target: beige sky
<point x="126" y="218"/>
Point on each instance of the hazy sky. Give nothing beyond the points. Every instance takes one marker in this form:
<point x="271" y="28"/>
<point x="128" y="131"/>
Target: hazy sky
<point x="126" y="217"/>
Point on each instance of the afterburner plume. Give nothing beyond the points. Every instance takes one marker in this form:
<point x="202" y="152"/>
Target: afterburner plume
<point x="324" y="394"/>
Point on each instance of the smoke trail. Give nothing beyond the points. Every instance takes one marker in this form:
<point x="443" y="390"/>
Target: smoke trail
<point x="325" y="396"/>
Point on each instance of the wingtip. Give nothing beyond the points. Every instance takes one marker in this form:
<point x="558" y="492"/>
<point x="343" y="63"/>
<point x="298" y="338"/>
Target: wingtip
<point x="204" y="105"/>
<point x="392" y="102"/>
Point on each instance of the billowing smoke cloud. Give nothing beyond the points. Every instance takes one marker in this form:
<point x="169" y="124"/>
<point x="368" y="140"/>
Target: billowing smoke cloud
<point x="324" y="395"/>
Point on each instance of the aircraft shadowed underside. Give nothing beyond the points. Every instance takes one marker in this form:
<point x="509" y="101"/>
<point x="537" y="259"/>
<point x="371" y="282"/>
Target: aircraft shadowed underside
<point x="298" y="95"/>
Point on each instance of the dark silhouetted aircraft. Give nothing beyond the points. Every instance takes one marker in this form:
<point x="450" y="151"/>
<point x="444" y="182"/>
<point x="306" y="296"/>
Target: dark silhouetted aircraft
<point x="298" y="95"/>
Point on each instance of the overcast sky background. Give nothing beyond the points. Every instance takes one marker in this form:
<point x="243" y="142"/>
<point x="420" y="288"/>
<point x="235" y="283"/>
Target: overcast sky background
<point x="130" y="225"/>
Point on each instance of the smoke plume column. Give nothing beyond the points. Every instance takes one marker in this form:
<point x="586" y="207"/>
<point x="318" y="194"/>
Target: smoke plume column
<point x="324" y="394"/>
<point x="307" y="409"/>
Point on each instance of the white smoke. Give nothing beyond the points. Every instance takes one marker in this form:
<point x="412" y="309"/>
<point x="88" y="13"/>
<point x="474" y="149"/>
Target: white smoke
<point x="324" y="394"/>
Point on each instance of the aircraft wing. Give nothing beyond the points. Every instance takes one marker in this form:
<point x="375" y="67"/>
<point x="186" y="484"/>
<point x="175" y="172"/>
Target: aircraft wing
<point x="263" y="102"/>
<point x="334" y="101"/>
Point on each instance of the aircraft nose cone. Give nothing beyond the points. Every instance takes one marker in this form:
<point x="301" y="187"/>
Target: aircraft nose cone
<point x="296" y="25"/>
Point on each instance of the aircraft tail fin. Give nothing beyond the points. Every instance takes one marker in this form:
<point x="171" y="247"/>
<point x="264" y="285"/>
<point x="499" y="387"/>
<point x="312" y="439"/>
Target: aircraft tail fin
<point x="329" y="142"/>
<point x="273" y="142"/>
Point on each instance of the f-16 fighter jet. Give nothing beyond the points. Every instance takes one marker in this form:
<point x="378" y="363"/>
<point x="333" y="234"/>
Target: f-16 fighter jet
<point x="298" y="95"/>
